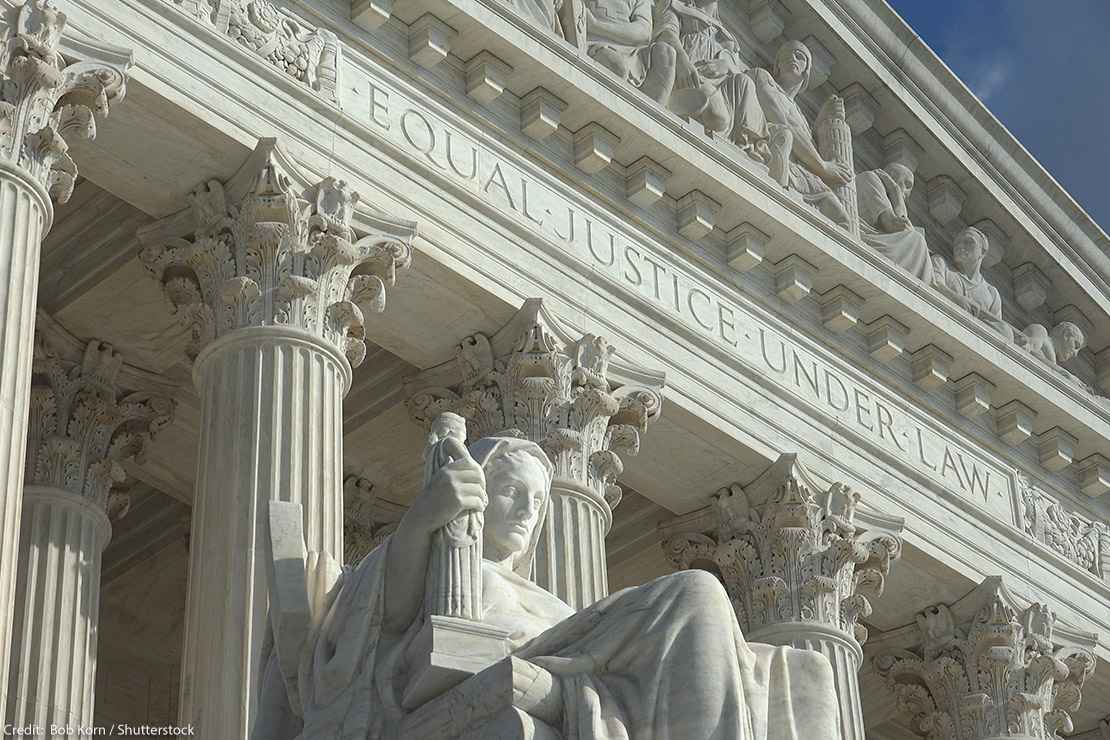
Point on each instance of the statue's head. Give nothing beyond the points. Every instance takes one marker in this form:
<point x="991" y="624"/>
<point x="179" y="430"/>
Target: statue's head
<point x="793" y="65"/>
<point x="969" y="249"/>
<point x="518" y="484"/>
<point x="1067" y="339"/>
<point x="902" y="176"/>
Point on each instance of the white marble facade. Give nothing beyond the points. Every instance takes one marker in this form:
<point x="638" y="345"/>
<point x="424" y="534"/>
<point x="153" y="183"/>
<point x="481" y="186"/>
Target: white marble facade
<point x="617" y="369"/>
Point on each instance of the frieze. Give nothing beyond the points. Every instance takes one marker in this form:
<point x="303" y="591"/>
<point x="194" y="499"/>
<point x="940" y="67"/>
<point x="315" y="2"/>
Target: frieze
<point x="307" y="54"/>
<point x="1076" y="538"/>
<point x="873" y="417"/>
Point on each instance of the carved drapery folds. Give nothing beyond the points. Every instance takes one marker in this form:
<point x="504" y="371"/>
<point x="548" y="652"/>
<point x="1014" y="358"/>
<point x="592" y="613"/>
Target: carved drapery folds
<point x="788" y="551"/>
<point x="531" y="380"/>
<point x="81" y="427"/>
<point x="988" y="667"/>
<point x="307" y="54"/>
<point x="265" y="250"/>
<point x="1078" y="539"/>
<point x="44" y="99"/>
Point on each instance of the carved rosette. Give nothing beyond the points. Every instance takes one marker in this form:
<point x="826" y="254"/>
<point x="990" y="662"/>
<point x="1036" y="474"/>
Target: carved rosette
<point x="267" y="250"/>
<point x="45" y="99"/>
<point x="82" y="428"/>
<point x="788" y="552"/>
<point x="1078" y="539"/>
<point x="987" y="668"/>
<point x="569" y="396"/>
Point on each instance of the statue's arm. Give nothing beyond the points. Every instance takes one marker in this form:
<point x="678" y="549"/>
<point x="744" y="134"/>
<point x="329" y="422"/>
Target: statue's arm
<point x="458" y="487"/>
<point x="635" y="31"/>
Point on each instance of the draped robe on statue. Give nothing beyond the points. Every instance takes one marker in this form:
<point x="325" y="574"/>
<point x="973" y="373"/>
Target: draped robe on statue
<point x="878" y="194"/>
<point x="661" y="661"/>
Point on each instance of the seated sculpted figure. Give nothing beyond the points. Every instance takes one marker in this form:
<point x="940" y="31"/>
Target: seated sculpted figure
<point x="710" y="84"/>
<point x="789" y="135"/>
<point x="884" y="221"/>
<point x="618" y="36"/>
<point x="1054" y="348"/>
<point x="965" y="284"/>
<point x="662" y="661"/>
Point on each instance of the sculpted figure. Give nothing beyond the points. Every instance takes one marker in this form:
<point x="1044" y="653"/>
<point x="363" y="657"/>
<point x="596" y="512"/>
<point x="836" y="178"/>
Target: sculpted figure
<point x="710" y="84"/>
<point x="965" y="284"/>
<point x="619" y="37"/>
<point x="662" y="661"/>
<point x="795" y="159"/>
<point x="1055" y="347"/>
<point x="884" y="220"/>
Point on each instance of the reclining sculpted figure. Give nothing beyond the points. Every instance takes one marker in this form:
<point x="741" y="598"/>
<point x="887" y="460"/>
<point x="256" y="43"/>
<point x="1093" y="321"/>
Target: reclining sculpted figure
<point x="665" y="660"/>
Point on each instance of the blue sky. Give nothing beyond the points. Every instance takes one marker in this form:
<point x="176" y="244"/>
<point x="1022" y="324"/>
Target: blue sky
<point x="1043" y="68"/>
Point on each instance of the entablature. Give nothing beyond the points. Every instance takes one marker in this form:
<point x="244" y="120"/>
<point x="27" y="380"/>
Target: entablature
<point x="783" y="297"/>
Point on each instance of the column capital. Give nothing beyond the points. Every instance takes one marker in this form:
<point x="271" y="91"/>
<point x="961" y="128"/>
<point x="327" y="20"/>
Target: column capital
<point x="988" y="667"/>
<point x="273" y="246"/>
<point x="532" y="379"/>
<point x="82" y="426"/>
<point x="367" y="518"/>
<point x="790" y="551"/>
<point x="46" y="97"/>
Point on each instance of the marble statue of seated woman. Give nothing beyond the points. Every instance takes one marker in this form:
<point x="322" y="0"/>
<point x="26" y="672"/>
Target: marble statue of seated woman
<point x="662" y="661"/>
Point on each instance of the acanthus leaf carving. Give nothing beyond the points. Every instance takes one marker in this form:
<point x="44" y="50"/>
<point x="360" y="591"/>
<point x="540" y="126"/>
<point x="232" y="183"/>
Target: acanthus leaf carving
<point x="44" y="98"/>
<point x="82" y="427"/>
<point x="788" y="552"/>
<point x="988" y="667"/>
<point x="268" y="249"/>
<point x="531" y="380"/>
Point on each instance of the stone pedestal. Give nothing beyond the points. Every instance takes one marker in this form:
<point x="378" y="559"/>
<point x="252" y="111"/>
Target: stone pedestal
<point x="585" y="408"/>
<point x="271" y="279"/>
<point x="799" y="564"/>
<point x="80" y="431"/>
<point x="34" y="170"/>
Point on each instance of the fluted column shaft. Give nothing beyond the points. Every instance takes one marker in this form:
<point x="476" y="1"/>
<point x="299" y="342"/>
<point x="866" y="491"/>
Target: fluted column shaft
<point x="25" y="213"/>
<point x="570" y="558"/>
<point x="843" y="652"/>
<point x="271" y="430"/>
<point x="55" y="624"/>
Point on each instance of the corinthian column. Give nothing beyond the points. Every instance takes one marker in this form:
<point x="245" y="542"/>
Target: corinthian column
<point x="82" y="428"/>
<point x="272" y="279"/>
<point x="987" y="668"/>
<point x="571" y="397"/>
<point x="798" y="564"/>
<point x="43" y="98"/>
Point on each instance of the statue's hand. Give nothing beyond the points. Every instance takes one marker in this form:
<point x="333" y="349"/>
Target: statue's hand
<point x="458" y="487"/>
<point x="837" y="173"/>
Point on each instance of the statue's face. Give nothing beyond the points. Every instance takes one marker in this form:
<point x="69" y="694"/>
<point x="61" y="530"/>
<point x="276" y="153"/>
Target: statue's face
<point x="516" y="496"/>
<point x="905" y="180"/>
<point x="1068" y="345"/>
<point x="793" y="63"/>
<point x="968" y="252"/>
